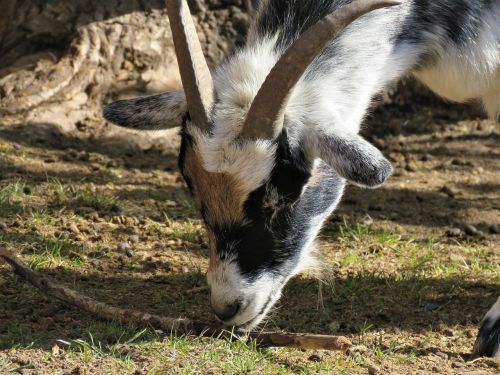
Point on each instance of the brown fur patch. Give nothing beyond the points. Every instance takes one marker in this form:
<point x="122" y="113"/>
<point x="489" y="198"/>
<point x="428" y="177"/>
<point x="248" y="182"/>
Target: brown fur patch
<point x="218" y="193"/>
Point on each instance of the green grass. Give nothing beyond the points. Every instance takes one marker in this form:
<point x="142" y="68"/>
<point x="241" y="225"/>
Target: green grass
<point x="185" y="355"/>
<point x="57" y="252"/>
<point x="190" y="231"/>
<point x="87" y="197"/>
<point x="11" y="198"/>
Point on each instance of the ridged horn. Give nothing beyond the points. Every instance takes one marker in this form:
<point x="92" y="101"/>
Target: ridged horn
<point x="261" y="120"/>
<point x="195" y="75"/>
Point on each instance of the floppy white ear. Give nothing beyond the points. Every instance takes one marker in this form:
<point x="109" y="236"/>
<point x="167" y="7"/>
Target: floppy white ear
<point x="355" y="159"/>
<point x="153" y="112"/>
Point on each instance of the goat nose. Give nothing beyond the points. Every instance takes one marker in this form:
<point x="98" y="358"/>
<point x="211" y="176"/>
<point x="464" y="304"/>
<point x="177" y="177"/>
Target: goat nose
<point x="228" y="311"/>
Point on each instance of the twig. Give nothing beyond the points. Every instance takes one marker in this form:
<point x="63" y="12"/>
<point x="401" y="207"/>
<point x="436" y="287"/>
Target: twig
<point x="178" y="326"/>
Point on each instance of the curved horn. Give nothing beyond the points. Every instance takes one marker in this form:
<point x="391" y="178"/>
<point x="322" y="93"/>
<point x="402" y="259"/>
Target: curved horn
<point x="195" y="75"/>
<point x="272" y="95"/>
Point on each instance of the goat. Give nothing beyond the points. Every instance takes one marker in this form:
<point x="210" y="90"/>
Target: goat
<point x="269" y="140"/>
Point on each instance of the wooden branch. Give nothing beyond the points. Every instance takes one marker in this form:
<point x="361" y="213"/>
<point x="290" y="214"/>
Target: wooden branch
<point x="176" y="326"/>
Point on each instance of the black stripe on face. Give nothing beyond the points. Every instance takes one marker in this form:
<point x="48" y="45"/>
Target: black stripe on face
<point x="268" y="210"/>
<point x="186" y="141"/>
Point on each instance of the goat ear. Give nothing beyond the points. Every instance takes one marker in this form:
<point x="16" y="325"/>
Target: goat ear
<point x="153" y="112"/>
<point x="355" y="159"/>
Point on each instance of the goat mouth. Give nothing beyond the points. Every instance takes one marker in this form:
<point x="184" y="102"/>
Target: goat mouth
<point x="249" y="324"/>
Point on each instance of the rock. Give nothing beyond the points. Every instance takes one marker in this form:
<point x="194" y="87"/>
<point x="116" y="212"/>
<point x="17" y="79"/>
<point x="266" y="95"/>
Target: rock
<point x="130" y="253"/>
<point x="441" y="355"/>
<point x="314" y="358"/>
<point x="134" y="238"/>
<point x="3" y="226"/>
<point x="457" y="364"/>
<point x="116" y="209"/>
<point x="449" y="332"/>
<point x="454" y="232"/>
<point x="372" y="370"/>
<point x="367" y="220"/>
<point x="492" y="362"/>
<point x="411" y="167"/>
<point x="94" y="216"/>
<point x="494" y="229"/>
<point x="436" y="369"/>
<point x="471" y="230"/>
<point x="427" y="157"/>
<point x="430" y="306"/>
<point x="73" y="228"/>
<point x="123" y="246"/>
<point x="452" y="193"/>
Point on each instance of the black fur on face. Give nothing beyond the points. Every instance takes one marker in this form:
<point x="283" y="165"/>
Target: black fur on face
<point x="261" y="242"/>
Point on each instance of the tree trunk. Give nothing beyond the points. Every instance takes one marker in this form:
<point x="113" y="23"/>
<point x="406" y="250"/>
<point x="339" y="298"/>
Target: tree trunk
<point x="60" y="60"/>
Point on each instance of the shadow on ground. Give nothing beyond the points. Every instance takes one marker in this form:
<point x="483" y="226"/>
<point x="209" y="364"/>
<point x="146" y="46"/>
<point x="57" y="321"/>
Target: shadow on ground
<point x="413" y="304"/>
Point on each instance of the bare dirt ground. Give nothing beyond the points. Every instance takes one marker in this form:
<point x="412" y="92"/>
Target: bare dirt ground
<point x="411" y="268"/>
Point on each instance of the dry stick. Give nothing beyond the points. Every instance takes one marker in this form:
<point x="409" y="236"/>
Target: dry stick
<point x="176" y="326"/>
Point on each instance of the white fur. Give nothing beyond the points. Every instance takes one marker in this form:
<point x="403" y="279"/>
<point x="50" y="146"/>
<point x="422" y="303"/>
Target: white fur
<point x="473" y="72"/>
<point x="249" y="162"/>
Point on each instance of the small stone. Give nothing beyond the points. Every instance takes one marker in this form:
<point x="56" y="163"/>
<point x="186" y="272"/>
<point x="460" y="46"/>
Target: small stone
<point x="123" y="246"/>
<point x="411" y="167"/>
<point x="73" y="228"/>
<point x="185" y="269"/>
<point x="3" y="226"/>
<point x="375" y="249"/>
<point x="441" y="355"/>
<point x="492" y="362"/>
<point x="367" y="220"/>
<point x="56" y="350"/>
<point x="134" y="238"/>
<point x="430" y="306"/>
<point x="94" y="216"/>
<point x="470" y="333"/>
<point x="116" y="209"/>
<point x="449" y="191"/>
<point x="427" y="157"/>
<point x="471" y="230"/>
<point x="457" y="364"/>
<point x="130" y="253"/>
<point x="373" y="370"/>
<point x="436" y="369"/>
<point x="112" y="164"/>
<point x="454" y="232"/>
<point x="27" y="190"/>
<point x="494" y="229"/>
<point x="459" y="162"/>
<point x="449" y="332"/>
<point x="314" y="358"/>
